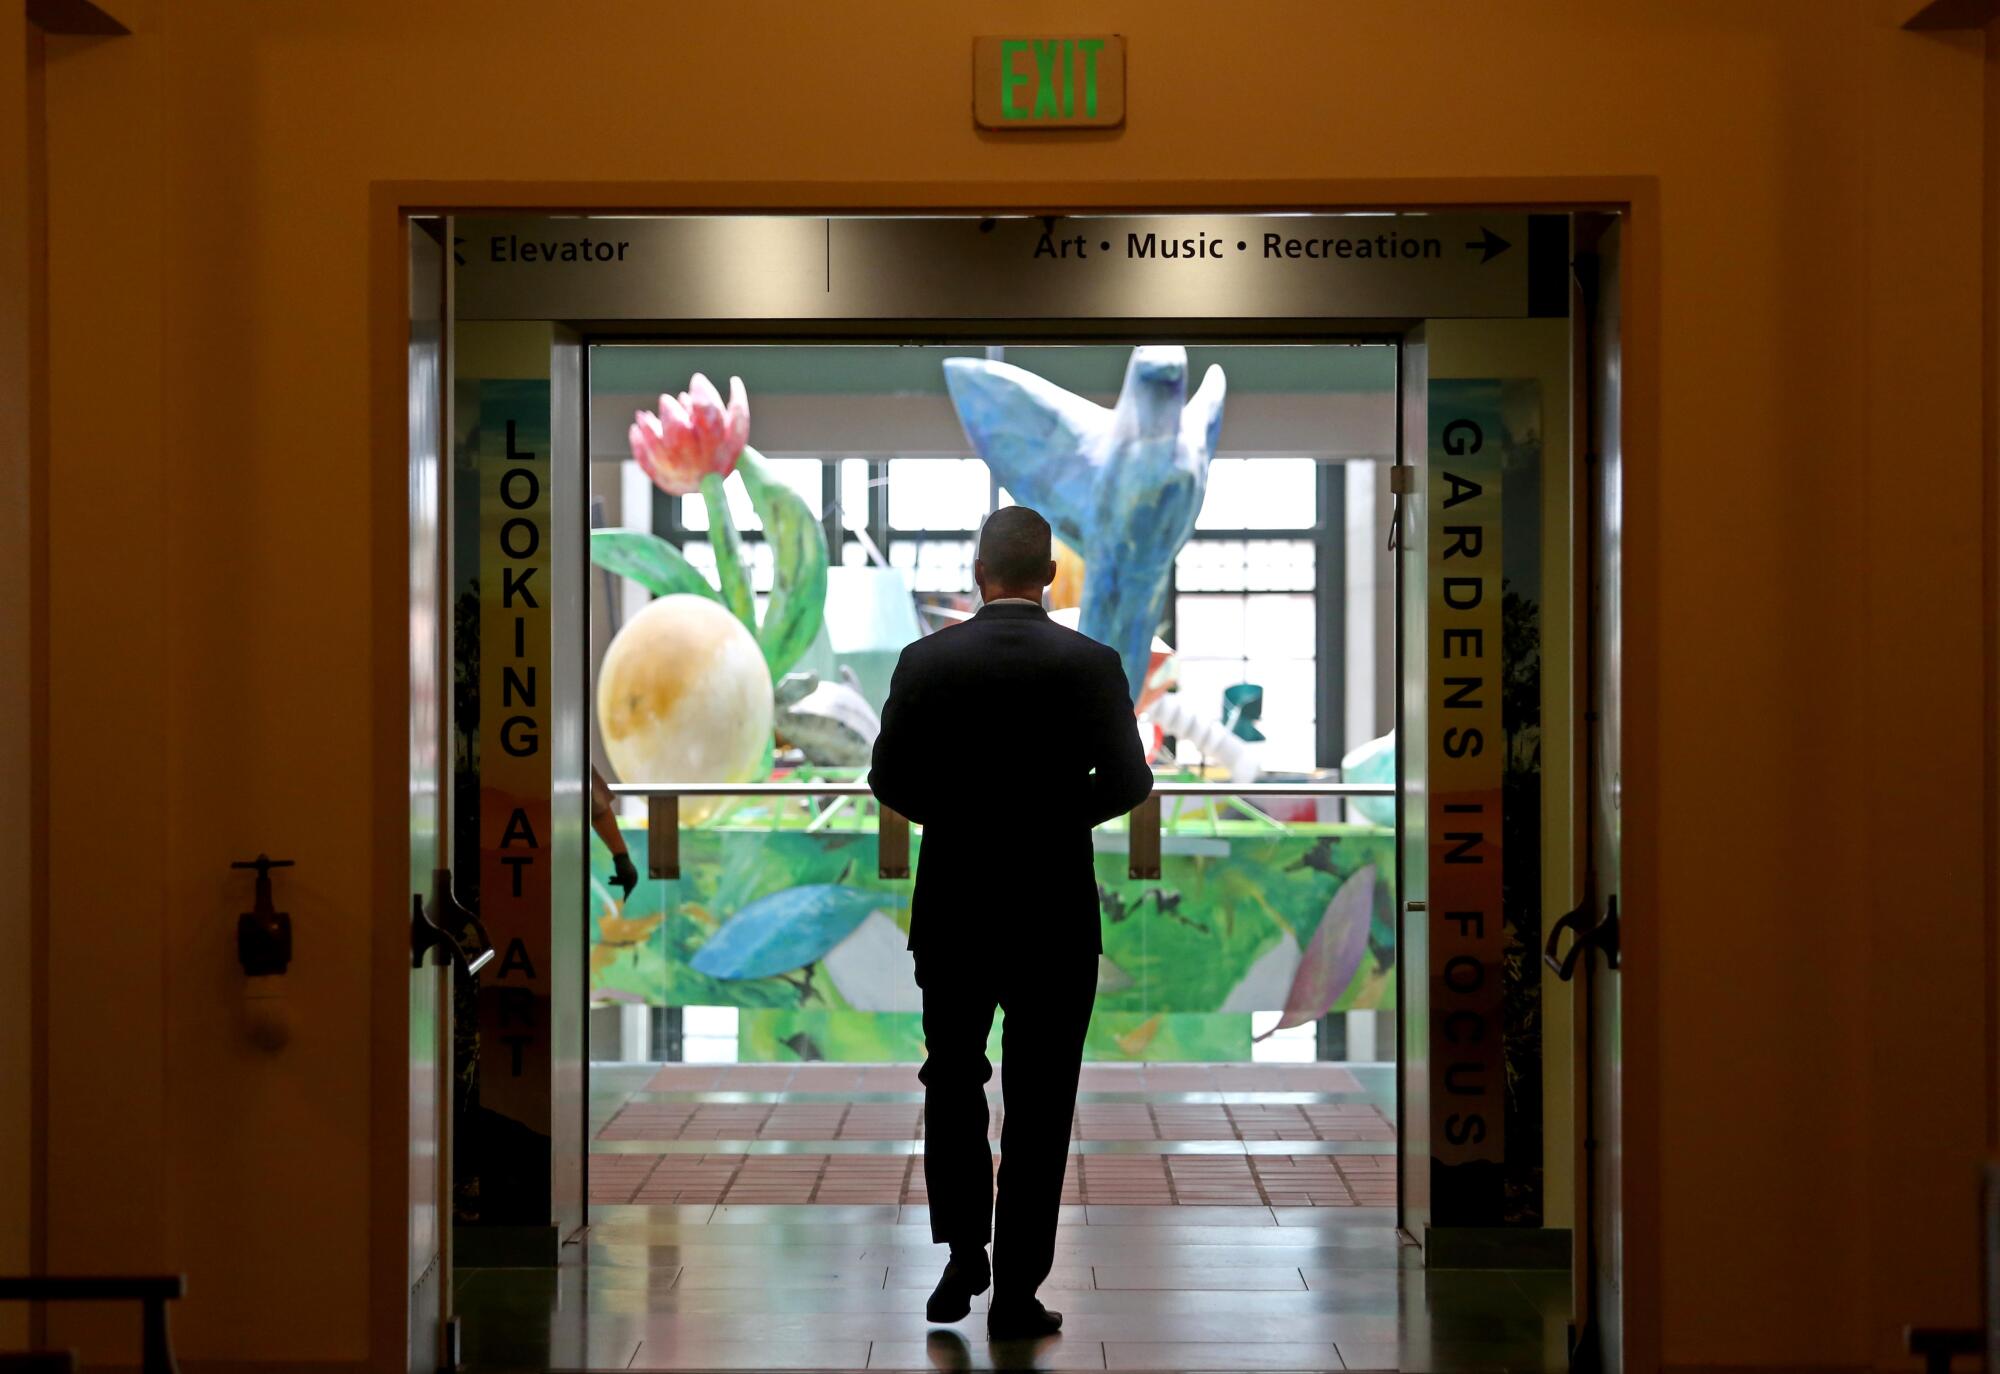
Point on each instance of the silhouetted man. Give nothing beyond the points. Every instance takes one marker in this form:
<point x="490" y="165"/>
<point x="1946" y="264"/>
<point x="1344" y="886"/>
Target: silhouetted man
<point x="1007" y="738"/>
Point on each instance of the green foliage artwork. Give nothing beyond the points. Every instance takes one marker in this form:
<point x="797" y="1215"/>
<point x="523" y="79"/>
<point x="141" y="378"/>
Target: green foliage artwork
<point x="795" y="928"/>
<point x="650" y="561"/>
<point x="693" y="443"/>
<point x="798" y="549"/>
<point x="797" y="602"/>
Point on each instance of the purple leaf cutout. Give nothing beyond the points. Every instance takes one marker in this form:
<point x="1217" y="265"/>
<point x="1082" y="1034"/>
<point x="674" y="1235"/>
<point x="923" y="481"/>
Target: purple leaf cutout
<point x="1334" y="953"/>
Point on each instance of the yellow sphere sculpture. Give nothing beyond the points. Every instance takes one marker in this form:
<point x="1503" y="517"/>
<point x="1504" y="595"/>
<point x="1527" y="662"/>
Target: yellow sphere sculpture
<point x="684" y="696"/>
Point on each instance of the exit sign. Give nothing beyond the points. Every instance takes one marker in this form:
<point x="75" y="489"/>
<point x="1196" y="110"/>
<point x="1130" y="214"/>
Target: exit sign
<point x="1050" y="82"/>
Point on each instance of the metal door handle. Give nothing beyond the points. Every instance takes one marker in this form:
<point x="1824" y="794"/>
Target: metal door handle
<point x="450" y="925"/>
<point x="1600" y="932"/>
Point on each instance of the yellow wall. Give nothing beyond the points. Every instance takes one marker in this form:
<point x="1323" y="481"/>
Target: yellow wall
<point x="1820" y="974"/>
<point x="1993" y="575"/>
<point x="1990" y="445"/>
<point x="19" y="570"/>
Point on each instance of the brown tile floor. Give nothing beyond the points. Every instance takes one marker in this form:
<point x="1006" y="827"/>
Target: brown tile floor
<point x="685" y="1120"/>
<point x="1182" y="1180"/>
<point x="894" y="1078"/>
<point x="1125" y="1105"/>
<point x="1218" y="1217"/>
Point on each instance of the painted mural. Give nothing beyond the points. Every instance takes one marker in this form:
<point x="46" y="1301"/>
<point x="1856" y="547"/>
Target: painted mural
<point x="779" y="912"/>
<point x="795" y="928"/>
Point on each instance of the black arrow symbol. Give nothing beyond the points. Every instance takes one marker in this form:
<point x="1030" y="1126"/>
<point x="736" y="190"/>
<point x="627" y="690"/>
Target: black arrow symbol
<point x="1490" y="245"/>
<point x="457" y="256"/>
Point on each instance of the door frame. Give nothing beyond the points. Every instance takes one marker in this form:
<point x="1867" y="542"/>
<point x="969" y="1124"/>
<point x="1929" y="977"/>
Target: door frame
<point x="429" y="1104"/>
<point x="391" y="203"/>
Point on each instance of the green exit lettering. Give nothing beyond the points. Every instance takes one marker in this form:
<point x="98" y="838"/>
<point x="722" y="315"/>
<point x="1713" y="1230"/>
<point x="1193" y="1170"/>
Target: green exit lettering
<point x="1059" y="68"/>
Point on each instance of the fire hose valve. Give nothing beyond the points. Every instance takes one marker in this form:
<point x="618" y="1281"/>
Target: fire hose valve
<point x="263" y="933"/>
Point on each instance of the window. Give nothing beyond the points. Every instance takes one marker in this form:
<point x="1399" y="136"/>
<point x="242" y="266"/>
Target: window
<point x="1259" y="493"/>
<point x="1245" y="597"/>
<point x="1249" y="600"/>
<point x="943" y="494"/>
<point x="1245" y="611"/>
<point x="802" y="475"/>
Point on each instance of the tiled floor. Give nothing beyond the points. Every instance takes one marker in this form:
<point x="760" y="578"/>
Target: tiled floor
<point x="1123" y="1106"/>
<point x="898" y="1078"/>
<point x="646" y="1118"/>
<point x="1185" y="1180"/>
<point x="1218" y="1217"/>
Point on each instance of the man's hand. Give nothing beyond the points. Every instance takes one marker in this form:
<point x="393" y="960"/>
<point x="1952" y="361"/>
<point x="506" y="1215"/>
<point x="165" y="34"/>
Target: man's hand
<point x="624" y="873"/>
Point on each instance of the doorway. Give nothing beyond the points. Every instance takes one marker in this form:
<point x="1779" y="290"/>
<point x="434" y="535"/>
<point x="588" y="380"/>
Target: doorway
<point x="1290" y="1158"/>
<point x="1206" y="1033"/>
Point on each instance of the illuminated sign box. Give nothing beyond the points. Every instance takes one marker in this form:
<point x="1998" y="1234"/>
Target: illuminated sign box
<point x="1021" y="85"/>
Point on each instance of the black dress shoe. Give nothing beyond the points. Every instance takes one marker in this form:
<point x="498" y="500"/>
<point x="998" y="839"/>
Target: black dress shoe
<point x="951" y="1300"/>
<point x="1021" y="1321"/>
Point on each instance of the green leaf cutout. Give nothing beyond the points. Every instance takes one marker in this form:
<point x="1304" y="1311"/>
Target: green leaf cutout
<point x="648" y="560"/>
<point x="798" y="547"/>
<point x="728" y="546"/>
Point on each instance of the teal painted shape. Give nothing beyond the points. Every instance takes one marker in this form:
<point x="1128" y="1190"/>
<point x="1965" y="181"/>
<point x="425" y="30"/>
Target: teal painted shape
<point x="1375" y="762"/>
<point x="786" y="930"/>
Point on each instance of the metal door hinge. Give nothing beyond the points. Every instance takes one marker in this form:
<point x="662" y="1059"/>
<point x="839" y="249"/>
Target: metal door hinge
<point x="1402" y="482"/>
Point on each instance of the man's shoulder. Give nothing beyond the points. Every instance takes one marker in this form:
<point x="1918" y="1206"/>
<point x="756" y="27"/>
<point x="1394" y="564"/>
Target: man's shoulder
<point x="940" y="646"/>
<point x="973" y="639"/>
<point x="1080" y="645"/>
<point x="937" y="641"/>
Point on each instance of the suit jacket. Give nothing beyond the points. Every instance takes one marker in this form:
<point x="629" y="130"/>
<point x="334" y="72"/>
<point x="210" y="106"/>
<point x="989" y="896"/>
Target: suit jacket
<point x="1007" y="737"/>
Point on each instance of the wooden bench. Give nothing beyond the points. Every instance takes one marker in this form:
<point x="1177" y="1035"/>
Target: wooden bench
<point x="156" y="1353"/>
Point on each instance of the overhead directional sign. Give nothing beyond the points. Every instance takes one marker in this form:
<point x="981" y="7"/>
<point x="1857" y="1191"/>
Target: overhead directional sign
<point x="1488" y="245"/>
<point x="1249" y="267"/>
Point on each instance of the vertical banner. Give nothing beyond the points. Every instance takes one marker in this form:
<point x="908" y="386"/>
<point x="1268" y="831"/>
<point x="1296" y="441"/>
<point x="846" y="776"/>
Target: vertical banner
<point x="512" y="458"/>
<point x="1467" y="750"/>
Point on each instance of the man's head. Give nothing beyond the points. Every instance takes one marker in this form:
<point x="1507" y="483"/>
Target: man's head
<point x="1013" y="557"/>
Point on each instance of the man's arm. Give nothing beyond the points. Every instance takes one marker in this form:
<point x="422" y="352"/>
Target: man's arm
<point x="898" y="771"/>
<point x="1122" y="779"/>
<point x="604" y="820"/>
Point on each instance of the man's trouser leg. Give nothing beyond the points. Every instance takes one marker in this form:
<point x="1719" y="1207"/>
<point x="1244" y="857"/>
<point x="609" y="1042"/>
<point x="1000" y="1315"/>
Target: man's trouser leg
<point x="958" y="1163"/>
<point x="1041" y="1052"/>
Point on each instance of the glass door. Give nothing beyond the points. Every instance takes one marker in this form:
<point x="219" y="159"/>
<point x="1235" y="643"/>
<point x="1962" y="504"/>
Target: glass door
<point x="429" y="986"/>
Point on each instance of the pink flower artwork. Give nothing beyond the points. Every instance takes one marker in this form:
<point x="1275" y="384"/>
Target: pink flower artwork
<point x="692" y="435"/>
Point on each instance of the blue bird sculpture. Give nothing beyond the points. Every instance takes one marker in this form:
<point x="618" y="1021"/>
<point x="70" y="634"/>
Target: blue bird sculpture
<point x="1120" y="486"/>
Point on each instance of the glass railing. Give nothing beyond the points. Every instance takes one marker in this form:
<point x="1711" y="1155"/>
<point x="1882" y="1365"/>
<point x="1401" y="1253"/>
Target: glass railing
<point x="1220" y="903"/>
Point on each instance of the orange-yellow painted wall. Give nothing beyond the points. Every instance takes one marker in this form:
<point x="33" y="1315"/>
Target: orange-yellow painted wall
<point x="1820" y="976"/>
<point x="20" y="244"/>
<point x="1991" y="456"/>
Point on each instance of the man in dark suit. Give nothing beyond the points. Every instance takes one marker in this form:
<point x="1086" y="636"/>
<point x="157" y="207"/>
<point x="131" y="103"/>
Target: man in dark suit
<point x="1007" y="738"/>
